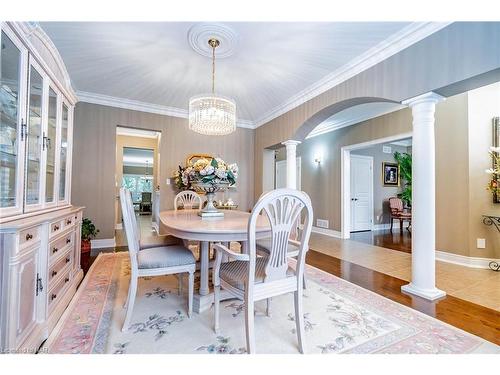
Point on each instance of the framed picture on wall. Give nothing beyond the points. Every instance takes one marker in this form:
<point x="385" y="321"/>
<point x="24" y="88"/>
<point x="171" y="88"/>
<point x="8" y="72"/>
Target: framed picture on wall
<point x="390" y="174"/>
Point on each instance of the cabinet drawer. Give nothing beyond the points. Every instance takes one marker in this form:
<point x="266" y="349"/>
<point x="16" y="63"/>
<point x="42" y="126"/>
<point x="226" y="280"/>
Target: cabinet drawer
<point x="58" y="245"/>
<point x="56" y="227"/>
<point x="60" y="266"/>
<point x="69" y="221"/>
<point x="56" y="293"/>
<point x="29" y="236"/>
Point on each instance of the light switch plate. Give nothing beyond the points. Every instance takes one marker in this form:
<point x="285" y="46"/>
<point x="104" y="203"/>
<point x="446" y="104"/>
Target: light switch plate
<point x="168" y="181"/>
<point x="481" y="243"/>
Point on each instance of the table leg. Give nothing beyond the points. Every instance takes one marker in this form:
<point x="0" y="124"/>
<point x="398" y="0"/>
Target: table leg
<point x="204" y="268"/>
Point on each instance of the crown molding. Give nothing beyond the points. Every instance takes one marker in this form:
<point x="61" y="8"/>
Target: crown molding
<point x="408" y="36"/>
<point x="333" y="125"/>
<point x="136" y="105"/>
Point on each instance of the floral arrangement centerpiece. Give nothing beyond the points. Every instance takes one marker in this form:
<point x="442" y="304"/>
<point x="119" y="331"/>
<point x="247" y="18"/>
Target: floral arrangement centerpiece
<point x="207" y="176"/>
<point x="493" y="185"/>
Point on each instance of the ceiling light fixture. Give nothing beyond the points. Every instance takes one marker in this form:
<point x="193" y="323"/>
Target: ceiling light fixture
<point x="212" y="114"/>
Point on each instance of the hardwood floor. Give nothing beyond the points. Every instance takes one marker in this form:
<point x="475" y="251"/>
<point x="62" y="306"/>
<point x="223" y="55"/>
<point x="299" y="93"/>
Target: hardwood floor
<point x="384" y="238"/>
<point x="475" y="319"/>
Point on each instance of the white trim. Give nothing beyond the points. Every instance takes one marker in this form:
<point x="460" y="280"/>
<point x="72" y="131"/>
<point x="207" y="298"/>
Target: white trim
<point x="409" y="35"/>
<point x="136" y="105"/>
<point x="327" y="128"/>
<point x="103" y="243"/>
<point x="327" y="232"/>
<point x="345" y="173"/>
<point x="472" y="262"/>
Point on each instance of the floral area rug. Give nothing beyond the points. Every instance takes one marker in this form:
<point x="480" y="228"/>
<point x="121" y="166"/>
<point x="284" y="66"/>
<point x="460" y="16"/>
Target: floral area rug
<point x="340" y="317"/>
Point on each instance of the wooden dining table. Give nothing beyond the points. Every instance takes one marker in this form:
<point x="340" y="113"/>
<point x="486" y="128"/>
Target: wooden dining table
<point x="233" y="226"/>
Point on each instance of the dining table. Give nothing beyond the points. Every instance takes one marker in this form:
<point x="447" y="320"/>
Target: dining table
<point x="232" y="227"/>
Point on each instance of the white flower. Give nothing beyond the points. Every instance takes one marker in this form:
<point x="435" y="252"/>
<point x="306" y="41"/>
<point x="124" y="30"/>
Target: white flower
<point x="208" y="170"/>
<point x="490" y="171"/>
<point x="221" y="173"/>
<point x="234" y="169"/>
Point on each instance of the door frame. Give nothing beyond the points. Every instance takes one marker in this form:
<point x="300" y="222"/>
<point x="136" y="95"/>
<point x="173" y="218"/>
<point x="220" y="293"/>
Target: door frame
<point x="370" y="158"/>
<point x="345" y="178"/>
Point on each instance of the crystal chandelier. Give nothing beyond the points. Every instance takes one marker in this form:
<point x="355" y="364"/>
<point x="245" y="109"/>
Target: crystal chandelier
<point x="212" y="114"/>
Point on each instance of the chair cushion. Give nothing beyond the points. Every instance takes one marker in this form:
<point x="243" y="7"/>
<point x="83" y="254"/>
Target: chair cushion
<point x="236" y="272"/>
<point x="265" y="246"/>
<point x="164" y="256"/>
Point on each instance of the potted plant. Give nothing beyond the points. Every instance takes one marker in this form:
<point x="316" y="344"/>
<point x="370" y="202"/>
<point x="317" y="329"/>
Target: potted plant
<point x="89" y="231"/>
<point x="404" y="161"/>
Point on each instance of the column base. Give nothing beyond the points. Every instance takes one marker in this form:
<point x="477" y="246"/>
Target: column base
<point x="430" y="294"/>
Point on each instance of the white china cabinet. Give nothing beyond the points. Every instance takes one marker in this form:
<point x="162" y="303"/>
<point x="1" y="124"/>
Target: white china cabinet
<point x="39" y="228"/>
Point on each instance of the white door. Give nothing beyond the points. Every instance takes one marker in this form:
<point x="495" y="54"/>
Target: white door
<point x="361" y="193"/>
<point x="280" y="177"/>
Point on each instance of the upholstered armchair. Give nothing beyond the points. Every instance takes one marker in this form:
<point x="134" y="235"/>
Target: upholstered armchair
<point x="398" y="213"/>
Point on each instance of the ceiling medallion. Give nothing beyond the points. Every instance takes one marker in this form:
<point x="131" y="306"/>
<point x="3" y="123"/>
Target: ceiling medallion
<point x="199" y="33"/>
<point x="212" y="114"/>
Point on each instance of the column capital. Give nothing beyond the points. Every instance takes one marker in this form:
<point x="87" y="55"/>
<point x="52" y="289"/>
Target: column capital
<point x="291" y="142"/>
<point x="429" y="97"/>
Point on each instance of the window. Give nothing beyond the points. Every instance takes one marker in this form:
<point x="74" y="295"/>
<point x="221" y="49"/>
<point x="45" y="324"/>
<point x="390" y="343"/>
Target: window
<point x="137" y="184"/>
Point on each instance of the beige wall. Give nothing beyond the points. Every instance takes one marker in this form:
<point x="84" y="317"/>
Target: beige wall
<point x="460" y="195"/>
<point x="94" y="161"/>
<point x="136" y="142"/>
<point x="484" y="104"/>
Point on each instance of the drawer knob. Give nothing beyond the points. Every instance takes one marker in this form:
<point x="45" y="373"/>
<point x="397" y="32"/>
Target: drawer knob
<point x="53" y="297"/>
<point x="56" y="227"/>
<point x="67" y="260"/>
<point x="29" y="236"/>
<point x="55" y="250"/>
<point x="68" y="222"/>
<point x="68" y="240"/>
<point x="66" y="280"/>
<point x="54" y="273"/>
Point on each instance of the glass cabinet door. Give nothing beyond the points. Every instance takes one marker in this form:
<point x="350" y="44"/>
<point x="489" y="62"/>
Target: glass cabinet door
<point x="35" y="139"/>
<point x="12" y="68"/>
<point x="50" y="146"/>
<point x="63" y="157"/>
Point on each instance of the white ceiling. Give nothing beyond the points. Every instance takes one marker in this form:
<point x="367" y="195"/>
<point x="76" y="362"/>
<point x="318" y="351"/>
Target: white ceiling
<point x="137" y="157"/>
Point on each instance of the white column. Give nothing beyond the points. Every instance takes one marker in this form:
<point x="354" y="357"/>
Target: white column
<point x="423" y="260"/>
<point x="291" y="163"/>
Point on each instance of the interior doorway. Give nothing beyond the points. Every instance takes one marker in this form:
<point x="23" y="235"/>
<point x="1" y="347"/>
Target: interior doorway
<point x="137" y="166"/>
<point x="280" y="174"/>
<point x="371" y="179"/>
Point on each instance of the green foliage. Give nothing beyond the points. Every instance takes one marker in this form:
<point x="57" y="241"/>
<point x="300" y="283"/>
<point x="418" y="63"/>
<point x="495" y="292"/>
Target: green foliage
<point x="89" y="230"/>
<point x="404" y="161"/>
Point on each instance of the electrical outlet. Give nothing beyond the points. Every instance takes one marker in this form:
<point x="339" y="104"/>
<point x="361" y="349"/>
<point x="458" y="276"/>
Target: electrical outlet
<point x="322" y="223"/>
<point x="481" y="243"/>
<point x="168" y="181"/>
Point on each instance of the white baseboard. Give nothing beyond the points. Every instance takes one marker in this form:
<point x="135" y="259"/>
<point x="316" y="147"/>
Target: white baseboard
<point x="103" y="243"/>
<point x="119" y="226"/>
<point x="461" y="260"/>
<point x="383" y="227"/>
<point x="327" y="232"/>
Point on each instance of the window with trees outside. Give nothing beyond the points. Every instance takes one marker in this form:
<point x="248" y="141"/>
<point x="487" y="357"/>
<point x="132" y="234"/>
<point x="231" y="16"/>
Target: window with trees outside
<point x="137" y="184"/>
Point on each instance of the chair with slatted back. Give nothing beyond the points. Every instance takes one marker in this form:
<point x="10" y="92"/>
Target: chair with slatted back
<point x="154" y="261"/>
<point x="251" y="278"/>
<point x="187" y="199"/>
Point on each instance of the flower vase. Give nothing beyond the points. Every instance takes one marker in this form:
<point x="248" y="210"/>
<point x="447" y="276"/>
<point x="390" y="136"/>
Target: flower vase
<point x="210" y="210"/>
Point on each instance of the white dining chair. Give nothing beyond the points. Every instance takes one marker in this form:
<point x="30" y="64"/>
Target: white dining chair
<point x="187" y="199"/>
<point x="154" y="261"/>
<point x="251" y="278"/>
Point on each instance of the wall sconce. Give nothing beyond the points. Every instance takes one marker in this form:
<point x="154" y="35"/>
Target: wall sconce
<point x="317" y="159"/>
